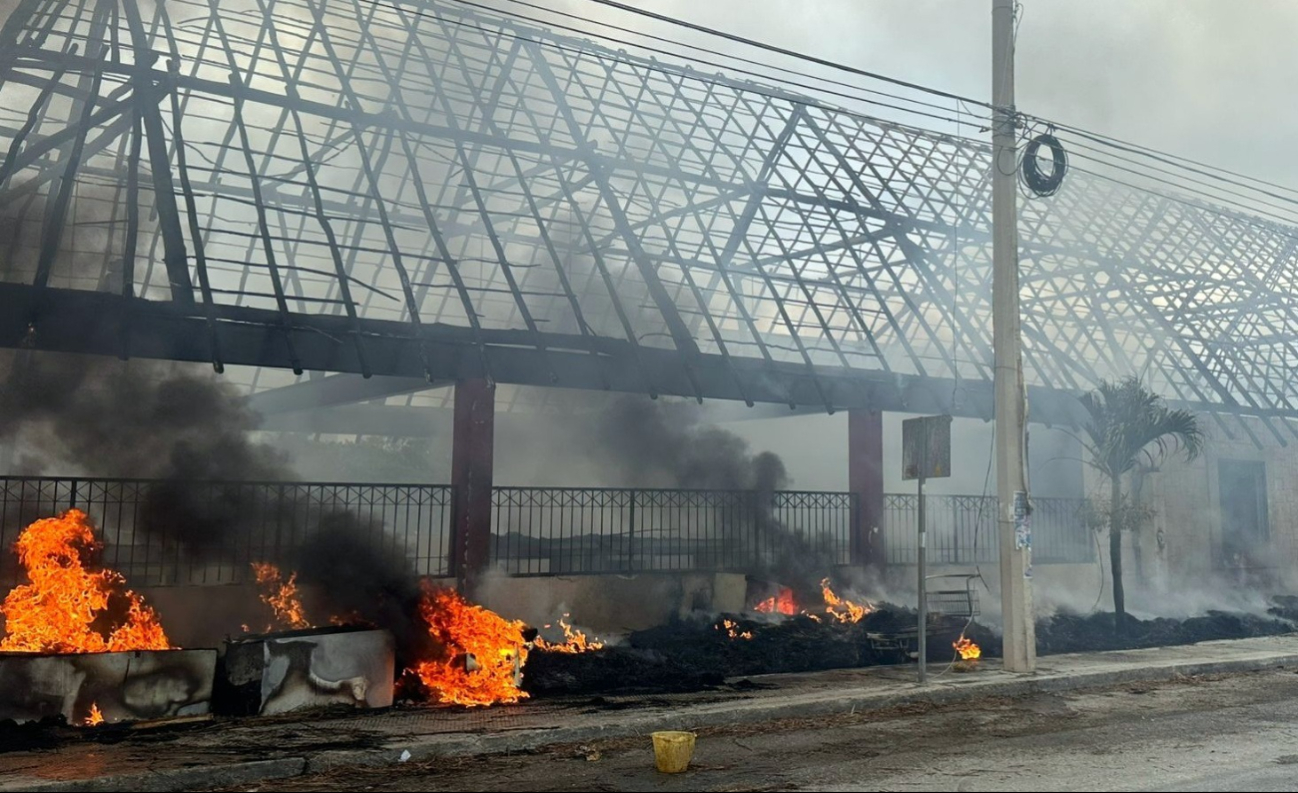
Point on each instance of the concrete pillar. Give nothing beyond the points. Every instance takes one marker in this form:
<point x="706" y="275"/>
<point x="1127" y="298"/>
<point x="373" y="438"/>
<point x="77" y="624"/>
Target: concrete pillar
<point x="865" y="479"/>
<point x="471" y="476"/>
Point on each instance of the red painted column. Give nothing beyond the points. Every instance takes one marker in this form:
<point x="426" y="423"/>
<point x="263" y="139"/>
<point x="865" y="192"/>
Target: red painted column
<point x="865" y="479"/>
<point x="471" y="474"/>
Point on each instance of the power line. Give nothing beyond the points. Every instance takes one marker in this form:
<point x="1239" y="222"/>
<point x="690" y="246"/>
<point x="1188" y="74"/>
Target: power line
<point x="1171" y="159"/>
<point x="579" y="51"/>
<point x="1102" y="140"/>
<point x="704" y="78"/>
<point x="730" y="56"/>
<point x="1177" y="161"/>
<point x="788" y="53"/>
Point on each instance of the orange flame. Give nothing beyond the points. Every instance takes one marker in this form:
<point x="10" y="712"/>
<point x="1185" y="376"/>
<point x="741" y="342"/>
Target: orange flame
<point x="967" y="649"/>
<point x="281" y="596"/>
<point x="96" y="717"/>
<point x="782" y="603"/>
<point x="574" y="641"/>
<point x="484" y="652"/>
<point x="731" y="626"/>
<point x="67" y="608"/>
<point x="842" y="609"/>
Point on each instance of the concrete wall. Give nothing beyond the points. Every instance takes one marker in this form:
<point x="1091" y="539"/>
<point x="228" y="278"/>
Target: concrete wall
<point x="204" y="616"/>
<point x="613" y="604"/>
<point x="1181" y="551"/>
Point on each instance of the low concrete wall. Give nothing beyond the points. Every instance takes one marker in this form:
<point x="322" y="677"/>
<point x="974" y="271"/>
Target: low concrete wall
<point x="613" y="603"/>
<point x="204" y="616"/>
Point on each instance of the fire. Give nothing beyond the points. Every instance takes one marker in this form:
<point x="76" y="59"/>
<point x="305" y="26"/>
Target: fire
<point x="96" y="717"/>
<point x="967" y="649"/>
<point x="574" y="641"/>
<point x="281" y="596"/>
<point x="782" y="603"/>
<point x="67" y="608"/>
<point x="842" y="609"/>
<point x="484" y="652"/>
<point x="731" y="630"/>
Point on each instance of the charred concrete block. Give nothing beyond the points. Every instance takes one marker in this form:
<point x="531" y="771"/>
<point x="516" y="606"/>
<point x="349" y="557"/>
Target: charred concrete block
<point x="124" y="686"/>
<point x="316" y="667"/>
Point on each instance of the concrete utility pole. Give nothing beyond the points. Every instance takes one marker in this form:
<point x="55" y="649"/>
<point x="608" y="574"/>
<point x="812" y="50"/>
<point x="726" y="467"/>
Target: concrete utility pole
<point x="1011" y="488"/>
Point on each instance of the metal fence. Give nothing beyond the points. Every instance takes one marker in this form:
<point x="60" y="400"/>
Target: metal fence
<point x="962" y="530"/>
<point x="553" y="531"/>
<point x="240" y="523"/>
<point x="535" y="531"/>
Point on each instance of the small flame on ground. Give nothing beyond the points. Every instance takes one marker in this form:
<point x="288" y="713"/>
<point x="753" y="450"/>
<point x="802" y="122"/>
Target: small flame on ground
<point x="783" y="603"/>
<point x="732" y="630"/>
<point x="842" y="609"/>
<point x="281" y="596"/>
<point x="483" y="651"/>
<point x="574" y="641"/>
<point x="96" y="717"/>
<point x="967" y="649"/>
<point x="65" y="606"/>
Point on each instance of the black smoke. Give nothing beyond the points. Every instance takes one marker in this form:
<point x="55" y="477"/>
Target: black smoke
<point x="667" y="445"/>
<point x="188" y="435"/>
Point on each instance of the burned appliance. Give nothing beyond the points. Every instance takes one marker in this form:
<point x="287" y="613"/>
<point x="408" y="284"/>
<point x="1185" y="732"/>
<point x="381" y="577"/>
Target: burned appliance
<point x="93" y="688"/>
<point x="317" y="667"/>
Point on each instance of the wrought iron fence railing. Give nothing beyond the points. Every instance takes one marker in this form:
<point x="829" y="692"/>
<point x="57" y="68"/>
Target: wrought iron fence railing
<point x="535" y="531"/>
<point x="552" y="531"/>
<point x="249" y="522"/>
<point x="962" y="530"/>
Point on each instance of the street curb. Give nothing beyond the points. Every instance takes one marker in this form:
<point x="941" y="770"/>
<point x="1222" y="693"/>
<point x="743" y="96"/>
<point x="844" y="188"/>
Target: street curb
<point x="820" y="703"/>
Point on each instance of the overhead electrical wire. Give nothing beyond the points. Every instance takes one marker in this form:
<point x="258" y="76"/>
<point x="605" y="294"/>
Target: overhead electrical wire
<point x="790" y="53"/>
<point x="1222" y="194"/>
<point x="1188" y="164"/>
<point x="739" y="58"/>
<point x="754" y="88"/>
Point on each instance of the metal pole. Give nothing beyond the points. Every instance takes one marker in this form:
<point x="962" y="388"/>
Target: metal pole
<point x="923" y="581"/>
<point x="1015" y="542"/>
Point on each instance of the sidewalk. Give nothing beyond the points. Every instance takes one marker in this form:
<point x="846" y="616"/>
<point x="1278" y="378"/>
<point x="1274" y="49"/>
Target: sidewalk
<point x="237" y="752"/>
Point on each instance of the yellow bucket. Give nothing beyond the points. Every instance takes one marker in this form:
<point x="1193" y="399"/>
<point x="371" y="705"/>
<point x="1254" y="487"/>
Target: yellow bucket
<point x="673" y="750"/>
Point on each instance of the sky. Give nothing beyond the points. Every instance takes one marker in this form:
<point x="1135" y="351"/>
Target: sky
<point x="1203" y="79"/>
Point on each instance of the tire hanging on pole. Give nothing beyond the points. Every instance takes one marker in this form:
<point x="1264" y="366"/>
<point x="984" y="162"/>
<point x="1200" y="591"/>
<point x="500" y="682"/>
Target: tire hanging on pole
<point x="1044" y="184"/>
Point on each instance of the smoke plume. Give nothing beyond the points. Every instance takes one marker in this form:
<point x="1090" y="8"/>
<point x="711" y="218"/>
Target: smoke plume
<point x="100" y="417"/>
<point x="664" y="444"/>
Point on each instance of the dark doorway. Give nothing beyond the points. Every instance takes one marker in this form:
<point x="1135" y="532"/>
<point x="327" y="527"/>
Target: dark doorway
<point x="1244" y="527"/>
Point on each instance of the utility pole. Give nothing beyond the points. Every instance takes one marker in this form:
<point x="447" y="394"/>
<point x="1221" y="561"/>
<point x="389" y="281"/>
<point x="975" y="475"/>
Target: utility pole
<point x="1020" y="654"/>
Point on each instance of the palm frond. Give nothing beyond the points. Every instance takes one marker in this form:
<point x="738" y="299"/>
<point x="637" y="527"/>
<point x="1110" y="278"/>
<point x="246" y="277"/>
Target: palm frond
<point x="1127" y="419"/>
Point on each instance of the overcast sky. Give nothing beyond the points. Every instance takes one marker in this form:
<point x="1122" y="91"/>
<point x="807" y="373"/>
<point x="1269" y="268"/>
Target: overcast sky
<point x="1205" y="79"/>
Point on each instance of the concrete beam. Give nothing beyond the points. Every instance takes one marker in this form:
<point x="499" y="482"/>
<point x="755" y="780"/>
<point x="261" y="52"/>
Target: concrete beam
<point x="336" y="389"/>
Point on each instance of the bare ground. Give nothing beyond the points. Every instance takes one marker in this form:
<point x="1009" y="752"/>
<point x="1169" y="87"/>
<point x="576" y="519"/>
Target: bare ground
<point x="1221" y="733"/>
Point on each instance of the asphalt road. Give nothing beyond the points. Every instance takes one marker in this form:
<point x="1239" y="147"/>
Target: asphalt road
<point x="1227" y="734"/>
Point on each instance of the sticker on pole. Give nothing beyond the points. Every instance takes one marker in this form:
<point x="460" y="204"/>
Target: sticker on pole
<point x="1022" y="521"/>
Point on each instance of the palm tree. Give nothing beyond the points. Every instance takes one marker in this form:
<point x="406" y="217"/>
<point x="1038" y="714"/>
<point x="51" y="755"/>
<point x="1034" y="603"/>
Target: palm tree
<point x="1128" y="421"/>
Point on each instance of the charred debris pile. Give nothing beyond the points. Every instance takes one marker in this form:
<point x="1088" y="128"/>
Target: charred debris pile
<point x="700" y="652"/>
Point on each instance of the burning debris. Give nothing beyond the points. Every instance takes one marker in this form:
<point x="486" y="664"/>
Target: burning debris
<point x="574" y="640"/>
<point x="282" y="597"/>
<point x="96" y="716"/>
<point x="842" y="609"/>
<point x="732" y="629"/>
<point x="782" y="603"/>
<point x="967" y="649"/>
<point x="968" y="653"/>
<point x="68" y="606"/>
<point x="483" y="653"/>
